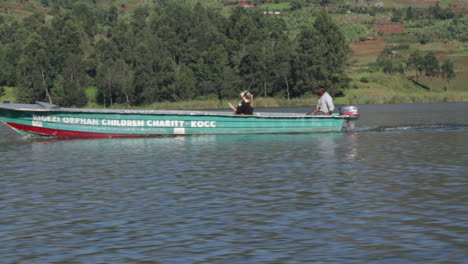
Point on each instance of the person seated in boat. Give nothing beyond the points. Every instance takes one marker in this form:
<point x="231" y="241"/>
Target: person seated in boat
<point x="325" y="104"/>
<point x="245" y="107"/>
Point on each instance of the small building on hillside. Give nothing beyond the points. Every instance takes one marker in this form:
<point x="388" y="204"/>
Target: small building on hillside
<point x="271" y="12"/>
<point x="246" y="4"/>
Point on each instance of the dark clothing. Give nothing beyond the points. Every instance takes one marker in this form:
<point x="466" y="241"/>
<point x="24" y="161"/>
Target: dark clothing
<point x="244" y="109"/>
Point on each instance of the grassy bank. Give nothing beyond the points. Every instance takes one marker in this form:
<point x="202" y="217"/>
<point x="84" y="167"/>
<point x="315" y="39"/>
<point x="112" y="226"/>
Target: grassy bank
<point x="9" y="94"/>
<point x="357" y="96"/>
<point x="367" y="95"/>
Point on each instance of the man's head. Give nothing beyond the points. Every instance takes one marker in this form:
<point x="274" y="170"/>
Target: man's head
<point x="321" y="90"/>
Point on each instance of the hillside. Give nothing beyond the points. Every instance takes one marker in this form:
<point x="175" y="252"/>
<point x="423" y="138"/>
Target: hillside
<point x="381" y="34"/>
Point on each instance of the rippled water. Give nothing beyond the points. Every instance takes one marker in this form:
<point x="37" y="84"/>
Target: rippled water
<point x="395" y="191"/>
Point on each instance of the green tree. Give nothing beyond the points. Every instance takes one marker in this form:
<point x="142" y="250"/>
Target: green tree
<point x="410" y="13"/>
<point x="57" y="92"/>
<point x="320" y="57"/>
<point x="184" y="84"/>
<point x="416" y="62"/>
<point x="2" y="91"/>
<point x="296" y="4"/>
<point x="431" y="65"/>
<point x="74" y="81"/>
<point x="123" y="79"/>
<point x="391" y="61"/>
<point x="285" y="74"/>
<point x="35" y="71"/>
<point x="115" y="82"/>
<point x="230" y="84"/>
<point x="85" y="16"/>
<point x="397" y="15"/>
<point x="447" y="71"/>
<point x="69" y="41"/>
<point x="8" y="64"/>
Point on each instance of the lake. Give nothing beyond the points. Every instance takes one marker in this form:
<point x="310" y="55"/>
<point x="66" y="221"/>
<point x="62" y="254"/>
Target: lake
<point x="393" y="191"/>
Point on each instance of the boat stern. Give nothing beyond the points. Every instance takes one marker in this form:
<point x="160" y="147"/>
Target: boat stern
<point x="352" y="114"/>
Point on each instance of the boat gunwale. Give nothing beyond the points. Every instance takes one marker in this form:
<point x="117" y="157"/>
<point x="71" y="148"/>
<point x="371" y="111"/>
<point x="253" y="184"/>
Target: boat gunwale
<point x="267" y="115"/>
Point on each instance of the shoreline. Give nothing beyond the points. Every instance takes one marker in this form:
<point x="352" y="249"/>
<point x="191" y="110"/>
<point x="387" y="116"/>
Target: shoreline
<point x="361" y="96"/>
<point x="310" y="101"/>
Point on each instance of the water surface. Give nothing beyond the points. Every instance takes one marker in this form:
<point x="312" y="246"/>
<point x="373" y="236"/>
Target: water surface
<point x="394" y="191"/>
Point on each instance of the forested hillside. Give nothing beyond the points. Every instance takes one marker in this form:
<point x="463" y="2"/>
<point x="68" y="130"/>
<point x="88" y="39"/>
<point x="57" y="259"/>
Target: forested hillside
<point x="175" y="50"/>
<point x="133" y="53"/>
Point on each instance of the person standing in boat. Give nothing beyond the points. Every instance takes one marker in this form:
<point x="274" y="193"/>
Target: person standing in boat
<point x="245" y="107"/>
<point x="325" y="104"/>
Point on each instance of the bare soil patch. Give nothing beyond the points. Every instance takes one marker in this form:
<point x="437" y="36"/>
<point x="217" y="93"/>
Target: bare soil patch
<point x="388" y="27"/>
<point x="368" y="47"/>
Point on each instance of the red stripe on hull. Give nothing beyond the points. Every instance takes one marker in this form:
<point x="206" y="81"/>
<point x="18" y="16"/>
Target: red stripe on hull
<point x="71" y="134"/>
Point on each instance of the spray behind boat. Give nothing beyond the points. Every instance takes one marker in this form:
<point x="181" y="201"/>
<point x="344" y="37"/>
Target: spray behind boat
<point x="353" y="114"/>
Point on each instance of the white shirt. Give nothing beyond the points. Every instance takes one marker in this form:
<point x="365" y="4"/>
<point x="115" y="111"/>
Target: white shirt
<point x="325" y="103"/>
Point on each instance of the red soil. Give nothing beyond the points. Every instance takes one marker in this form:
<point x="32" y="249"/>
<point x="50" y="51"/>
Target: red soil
<point x="463" y="59"/>
<point x="124" y="9"/>
<point x="388" y="27"/>
<point x="449" y="47"/>
<point x="17" y="6"/>
<point x="43" y="10"/>
<point x="368" y="47"/>
<point x="129" y="8"/>
<point x="463" y="74"/>
<point x="441" y="54"/>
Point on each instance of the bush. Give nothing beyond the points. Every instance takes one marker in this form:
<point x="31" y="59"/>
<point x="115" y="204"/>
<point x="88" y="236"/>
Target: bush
<point x="397" y="15"/>
<point x="424" y="39"/>
<point x="400" y="47"/>
<point x="364" y="80"/>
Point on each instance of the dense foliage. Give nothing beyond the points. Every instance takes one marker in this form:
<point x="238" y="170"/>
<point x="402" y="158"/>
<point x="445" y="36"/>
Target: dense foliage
<point x="172" y="51"/>
<point x="423" y="63"/>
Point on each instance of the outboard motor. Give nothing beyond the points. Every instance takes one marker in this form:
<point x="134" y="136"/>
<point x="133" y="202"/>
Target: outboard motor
<point x="353" y="115"/>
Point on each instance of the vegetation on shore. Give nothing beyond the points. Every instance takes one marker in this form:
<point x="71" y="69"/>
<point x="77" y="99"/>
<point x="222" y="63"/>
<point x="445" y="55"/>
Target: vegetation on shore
<point x="199" y="54"/>
<point x="355" y="97"/>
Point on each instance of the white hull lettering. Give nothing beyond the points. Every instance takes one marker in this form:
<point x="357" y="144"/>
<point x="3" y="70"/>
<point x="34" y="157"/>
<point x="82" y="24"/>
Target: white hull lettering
<point x="203" y="124"/>
<point x="55" y="119"/>
<point x="165" y="123"/>
<point x="127" y="123"/>
<point x="80" y="121"/>
<point x="124" y="123"/>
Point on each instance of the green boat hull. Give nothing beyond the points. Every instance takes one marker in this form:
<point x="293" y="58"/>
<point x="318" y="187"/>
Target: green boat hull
<point x="49" y="120"/>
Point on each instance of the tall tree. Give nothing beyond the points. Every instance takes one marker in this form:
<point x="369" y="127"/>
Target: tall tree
<point x="447" y="71"/>
<point x="410" y="13"/>
<point x="74" y="81"/>
<point x="85" y="16"/>
<point x="320" y="59"/>
<point x="35" y="71"/>
<point x="123" y="82"/>
<point x="416" y="62"/>
<point x="431" y="65"/>
<point x="69" y="41"/>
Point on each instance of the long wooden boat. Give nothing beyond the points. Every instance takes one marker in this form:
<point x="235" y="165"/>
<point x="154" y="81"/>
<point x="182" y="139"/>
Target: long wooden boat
<point x="51" y="120"/>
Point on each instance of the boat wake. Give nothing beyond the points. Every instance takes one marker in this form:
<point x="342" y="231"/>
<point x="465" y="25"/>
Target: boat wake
<point x="418" y="127"/>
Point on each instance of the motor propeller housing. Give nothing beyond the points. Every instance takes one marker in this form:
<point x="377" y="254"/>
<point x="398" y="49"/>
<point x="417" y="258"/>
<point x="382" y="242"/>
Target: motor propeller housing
<point x="351" y="110"/>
